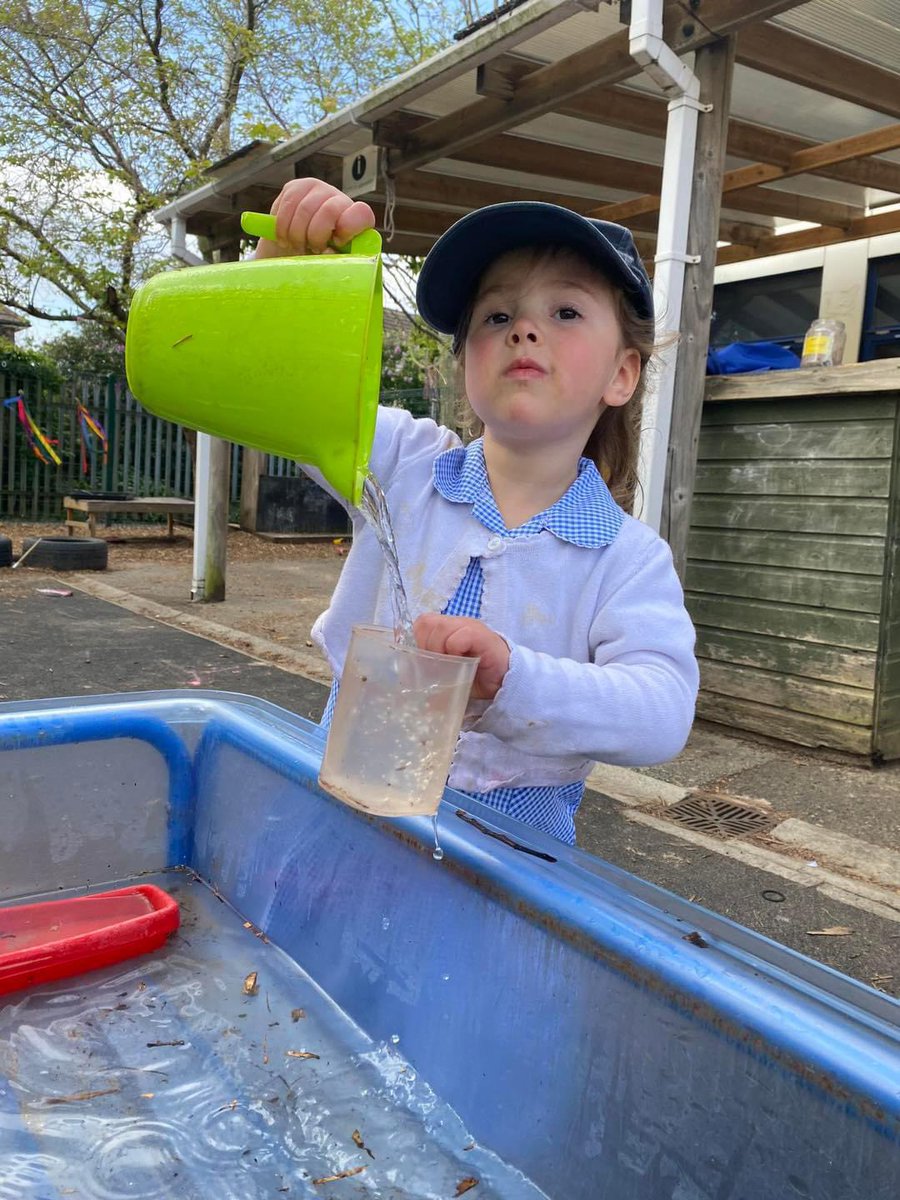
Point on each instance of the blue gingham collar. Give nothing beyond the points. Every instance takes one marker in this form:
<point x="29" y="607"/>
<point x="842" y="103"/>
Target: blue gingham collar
<point x="586" y="515"/>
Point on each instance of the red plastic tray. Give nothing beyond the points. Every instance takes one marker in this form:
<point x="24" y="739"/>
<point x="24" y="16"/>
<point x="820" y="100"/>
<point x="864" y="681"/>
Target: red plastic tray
<point x="57" y="938"/>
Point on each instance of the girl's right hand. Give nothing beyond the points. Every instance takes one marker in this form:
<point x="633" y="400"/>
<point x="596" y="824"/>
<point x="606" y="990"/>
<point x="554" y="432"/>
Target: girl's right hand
<point x="310" y="214"/>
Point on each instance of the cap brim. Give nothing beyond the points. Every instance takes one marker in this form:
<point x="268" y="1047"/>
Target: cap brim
<point x="460" y="256"/>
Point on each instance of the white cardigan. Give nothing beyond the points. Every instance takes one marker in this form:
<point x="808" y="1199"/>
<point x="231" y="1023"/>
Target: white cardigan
<point x="602" y="665"/>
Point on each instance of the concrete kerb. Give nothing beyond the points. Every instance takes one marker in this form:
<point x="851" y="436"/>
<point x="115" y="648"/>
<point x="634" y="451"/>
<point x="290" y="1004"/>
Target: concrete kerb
<point x="301" y="663"/>
<point x="870" y="872"/>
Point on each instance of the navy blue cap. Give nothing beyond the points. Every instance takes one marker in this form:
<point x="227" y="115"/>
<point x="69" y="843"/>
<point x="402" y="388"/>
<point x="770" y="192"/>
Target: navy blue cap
<point x="459" y="257"/>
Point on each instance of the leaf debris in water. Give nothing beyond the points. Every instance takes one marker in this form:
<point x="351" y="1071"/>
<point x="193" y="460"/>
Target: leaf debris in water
<point x="73" y="1099"/>
<point x="251" y="987"/>
<point x="342" y="1175"/>
<point x="358" y="1141"/>
<point x="297" y="1014"/>
<point x="300" y="1054"/>
<point x="465" y="1185"/>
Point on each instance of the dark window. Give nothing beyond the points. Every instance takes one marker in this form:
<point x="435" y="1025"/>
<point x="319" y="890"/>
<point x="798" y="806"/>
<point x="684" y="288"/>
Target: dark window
<point x="772" y="308"/>
<point x="881" y="321"/>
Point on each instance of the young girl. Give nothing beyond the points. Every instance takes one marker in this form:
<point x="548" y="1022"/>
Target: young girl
<point x="517" y="548"/>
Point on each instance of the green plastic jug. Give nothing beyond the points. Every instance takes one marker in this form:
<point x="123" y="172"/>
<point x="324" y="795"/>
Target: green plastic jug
<point x="281" y="354"/>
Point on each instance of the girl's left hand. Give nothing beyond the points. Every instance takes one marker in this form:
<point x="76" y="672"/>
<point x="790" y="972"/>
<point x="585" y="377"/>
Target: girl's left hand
<point x="468" y="638"/>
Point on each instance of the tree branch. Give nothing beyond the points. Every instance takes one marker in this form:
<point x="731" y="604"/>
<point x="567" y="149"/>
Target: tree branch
<point x="154" y="42"/>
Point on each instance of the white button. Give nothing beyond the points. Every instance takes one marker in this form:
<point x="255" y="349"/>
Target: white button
<point x="494" y="543"/>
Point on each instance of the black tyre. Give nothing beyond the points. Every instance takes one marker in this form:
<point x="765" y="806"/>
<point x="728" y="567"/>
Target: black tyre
<point x="6" y="554"/>
<point x="66" y="553"/>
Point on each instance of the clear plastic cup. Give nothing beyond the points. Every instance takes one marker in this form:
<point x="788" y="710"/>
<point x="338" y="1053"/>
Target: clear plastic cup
<point x="395" y="725"/>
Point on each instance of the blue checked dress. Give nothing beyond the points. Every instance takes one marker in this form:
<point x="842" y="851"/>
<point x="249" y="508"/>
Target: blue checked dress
<point x="585" y="516"/>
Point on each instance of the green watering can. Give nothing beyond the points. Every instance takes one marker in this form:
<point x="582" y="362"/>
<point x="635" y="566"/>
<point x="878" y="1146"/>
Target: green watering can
<point x="281" y="354"/>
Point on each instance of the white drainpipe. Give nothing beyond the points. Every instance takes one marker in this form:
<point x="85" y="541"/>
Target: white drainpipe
<point x="678" y="81"/>
<point x="202" y="481"/>
<point x="177" y="235"/>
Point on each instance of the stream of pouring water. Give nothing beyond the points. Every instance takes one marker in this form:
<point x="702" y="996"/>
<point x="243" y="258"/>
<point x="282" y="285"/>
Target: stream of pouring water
<point x="375" y="510"/>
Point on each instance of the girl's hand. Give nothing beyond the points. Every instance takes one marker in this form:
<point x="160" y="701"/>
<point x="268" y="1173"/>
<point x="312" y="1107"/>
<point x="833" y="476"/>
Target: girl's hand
<point x="468" y="638"/>
<point x="311" y="213"/>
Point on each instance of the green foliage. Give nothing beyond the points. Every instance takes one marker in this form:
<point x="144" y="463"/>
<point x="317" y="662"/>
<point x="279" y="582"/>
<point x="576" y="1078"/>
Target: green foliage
<point x="91" y="350"/>
<point x="408" y="353"/>
<point x="33" y="364"/>
<point x="109" y="109"/>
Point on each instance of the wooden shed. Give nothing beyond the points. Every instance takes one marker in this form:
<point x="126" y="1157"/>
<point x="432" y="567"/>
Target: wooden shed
<point x="793" y="575"/>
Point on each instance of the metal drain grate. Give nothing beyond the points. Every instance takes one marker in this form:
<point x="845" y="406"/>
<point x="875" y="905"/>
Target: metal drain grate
<point x="719" y="815"/>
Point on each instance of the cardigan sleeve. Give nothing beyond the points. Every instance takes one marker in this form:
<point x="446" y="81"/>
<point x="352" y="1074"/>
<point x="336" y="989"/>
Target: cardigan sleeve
<point x="633" y="704"/>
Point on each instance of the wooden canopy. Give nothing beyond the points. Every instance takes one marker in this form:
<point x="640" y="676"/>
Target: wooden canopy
<point x="545" y="102"/>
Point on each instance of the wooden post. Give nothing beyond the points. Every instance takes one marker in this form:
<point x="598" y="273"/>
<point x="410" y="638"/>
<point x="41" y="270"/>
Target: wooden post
<point x="212" y="570"/>
<point x="713" y="66"/>
<point x="217" y="520"/>
<point x="252" y="466"/>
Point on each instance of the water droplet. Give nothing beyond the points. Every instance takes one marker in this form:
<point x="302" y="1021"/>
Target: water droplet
<point x="445" y="978"/>
<point x="395" y="1038"/>
<point x="385" y="923"/>
<point x="437" y="854"/>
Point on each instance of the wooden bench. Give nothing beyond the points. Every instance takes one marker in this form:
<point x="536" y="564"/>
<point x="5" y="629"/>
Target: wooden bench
<point x="168" y="506"/>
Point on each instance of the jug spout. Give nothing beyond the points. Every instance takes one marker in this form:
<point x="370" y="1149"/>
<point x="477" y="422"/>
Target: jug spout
<point x="280" y="354"/>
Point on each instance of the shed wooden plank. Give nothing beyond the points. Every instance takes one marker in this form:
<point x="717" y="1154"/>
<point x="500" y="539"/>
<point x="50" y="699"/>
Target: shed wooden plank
<point x="849" y="630"/>
<point x="836" y="702"/>
<point x="830" y="664"/>
<point x="779" y="440"/>
<point x="786" y="726"/>
<point x="809" y="410"/>
<point x="887" y="711"/>
<point x="820" y="589"/>
<point x="815" y="515"/>
<point x="789" y="477"/>
<point x="882" y="376"/>
<point x="856" y="555"/>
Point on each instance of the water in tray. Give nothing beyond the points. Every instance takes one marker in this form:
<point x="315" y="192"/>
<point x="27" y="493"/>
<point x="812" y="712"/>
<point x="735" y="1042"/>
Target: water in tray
<point x="176" y="1074"/>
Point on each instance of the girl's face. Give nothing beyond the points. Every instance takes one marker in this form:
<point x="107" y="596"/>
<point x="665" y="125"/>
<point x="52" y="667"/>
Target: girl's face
<point x="544" y="353"/>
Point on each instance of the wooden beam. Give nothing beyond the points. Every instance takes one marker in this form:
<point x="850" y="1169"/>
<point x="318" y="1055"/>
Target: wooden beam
<point x="747" y="179"/>
<point x="645" y="114"/>
<point x="787" y="55"/>
<point x="460" y="195"/>
<point x="415" y="221"/>
<point x="714" y="67"/>
<point x="530" y="156"/>
<point x="253" y="464"/>
<point x="809" y="239"/>
<point x="774" y="202"/>
<point x="498" y="77"/>
<point x="533" y="157"/>
<point x="456" y="196"/>
<point x="408" y="244"/>
<point x="601" y="62"/>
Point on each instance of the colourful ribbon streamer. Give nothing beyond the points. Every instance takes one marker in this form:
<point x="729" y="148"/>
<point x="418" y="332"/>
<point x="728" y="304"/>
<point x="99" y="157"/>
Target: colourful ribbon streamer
<point x="41" y="445"/>
<point x="90" y="429"/>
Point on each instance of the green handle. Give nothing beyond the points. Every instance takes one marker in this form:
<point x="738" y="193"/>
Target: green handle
<point x="367" y="243"/>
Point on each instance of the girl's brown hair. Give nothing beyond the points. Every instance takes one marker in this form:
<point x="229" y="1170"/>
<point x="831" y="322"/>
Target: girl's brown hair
<point x="613" y="442"/>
